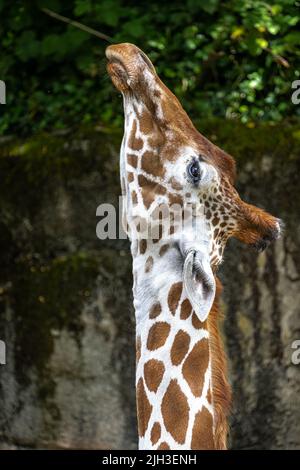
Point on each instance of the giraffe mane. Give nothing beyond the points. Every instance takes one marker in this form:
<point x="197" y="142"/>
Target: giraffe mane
<point x="221" y="390"/>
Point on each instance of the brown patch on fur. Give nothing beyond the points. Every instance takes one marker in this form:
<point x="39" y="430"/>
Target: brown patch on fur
<point x="143" y="246"/>
<point x="138" y="349"/>
<point x="130" y="177"/>
<point x="202" y="436"/>
<point x="134" y="197"/>
<point x="152" y="164"/>
<point x="163" y="446"/>
<point x="155" y="310"/>
<point x="186" y="309"/>
<point x="155" y="433"/>
<point x="132" y="160"/>
<point x="180" y="347"/>
<point x="196" y="322"/>
<point x="137" y="144"/>
<point x="208" y="214"/>
<point x="208" y="396"/>
<point x="172" y="229"/>
<point x="174" y="296"/>
<point x="221" y="392"/>
<point x="163" y="250"/>
<point x="157" y="335"/>
<point x="195" y="366"/>
<point x="144" y="408"/>
<point x="153" y="373"/>
<point x="175" y="412"/>
<point x="149" y="264"/>
<point x="156" y="140"/>
<point x="146" y="122"/>
<point x="175" y="199"/>
<point x="149" y="190"/>
<point x="132" y="134"/>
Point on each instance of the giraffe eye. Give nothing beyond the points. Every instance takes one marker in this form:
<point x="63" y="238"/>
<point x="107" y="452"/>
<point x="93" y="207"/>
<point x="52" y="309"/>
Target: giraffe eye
<point x="194" y="171"/>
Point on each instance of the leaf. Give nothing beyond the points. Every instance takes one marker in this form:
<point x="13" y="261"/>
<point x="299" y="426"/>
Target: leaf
<point x="237" y="32"/>
<point x="82" y="7"/>
<point x="51" y="44"/>
<point x="210" y="6"/>
<point x="292" y="38"/>
<point x="262" y="43"/>
<point x="27" y="46"/>
<point x="135" y="28"/>
<point x="109" y="12"/>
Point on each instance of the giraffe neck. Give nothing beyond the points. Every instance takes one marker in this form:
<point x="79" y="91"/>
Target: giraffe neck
<point x="176" y="404"/>
<point x="173" y="375"/>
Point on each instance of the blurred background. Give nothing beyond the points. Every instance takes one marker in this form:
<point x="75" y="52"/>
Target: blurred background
<point x="66" y="312"/>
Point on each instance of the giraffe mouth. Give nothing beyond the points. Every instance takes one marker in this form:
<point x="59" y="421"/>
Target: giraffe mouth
<point x="118" y="74"/>
<point x="117" y="69"/>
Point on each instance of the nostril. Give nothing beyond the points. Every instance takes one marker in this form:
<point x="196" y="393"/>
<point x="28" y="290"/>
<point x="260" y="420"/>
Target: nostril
<point x="272" y="235"/>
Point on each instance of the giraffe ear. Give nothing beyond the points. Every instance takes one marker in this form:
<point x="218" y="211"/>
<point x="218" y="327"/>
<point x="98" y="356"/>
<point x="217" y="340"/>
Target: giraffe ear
<point x="199" y="283"/>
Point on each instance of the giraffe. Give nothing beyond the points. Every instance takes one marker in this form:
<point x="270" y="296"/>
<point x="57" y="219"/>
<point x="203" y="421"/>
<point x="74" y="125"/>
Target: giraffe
<point x="183" y="396"/>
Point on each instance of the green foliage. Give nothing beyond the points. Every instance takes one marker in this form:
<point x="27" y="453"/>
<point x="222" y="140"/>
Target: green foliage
<point x="235" y="58"/>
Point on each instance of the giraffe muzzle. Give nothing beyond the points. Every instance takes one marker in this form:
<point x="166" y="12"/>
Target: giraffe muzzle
<point x="126" y="65"/>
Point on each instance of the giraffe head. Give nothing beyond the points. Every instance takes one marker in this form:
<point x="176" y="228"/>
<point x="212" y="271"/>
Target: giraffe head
<point x="167" y="162"/>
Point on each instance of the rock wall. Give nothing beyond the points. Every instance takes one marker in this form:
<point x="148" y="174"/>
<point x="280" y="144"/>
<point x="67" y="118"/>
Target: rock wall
<point x="65" y="297"/>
